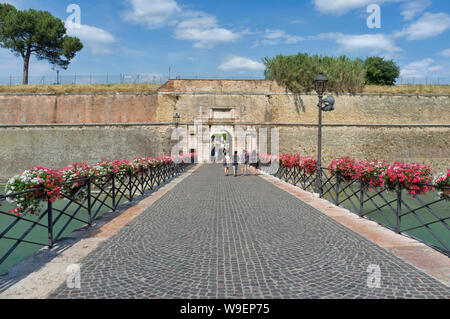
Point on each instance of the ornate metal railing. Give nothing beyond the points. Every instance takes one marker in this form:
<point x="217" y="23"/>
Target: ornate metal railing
<point x="423" y="217"/>
<point x="90" y="199"/>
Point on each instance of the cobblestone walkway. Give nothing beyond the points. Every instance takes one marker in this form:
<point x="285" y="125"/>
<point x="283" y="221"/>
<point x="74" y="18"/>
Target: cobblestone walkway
<point x="224" y="237"/>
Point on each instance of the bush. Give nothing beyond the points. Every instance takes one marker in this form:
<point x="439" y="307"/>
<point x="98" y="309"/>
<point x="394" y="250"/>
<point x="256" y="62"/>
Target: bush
<point x="380" y="71"/>
<point x="298" y="72"/>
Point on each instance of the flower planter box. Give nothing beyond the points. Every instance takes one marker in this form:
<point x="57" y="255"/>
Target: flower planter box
<point x="79" y="184"/>
<point x="446" y="192"/>
<point x="37" y="193"/>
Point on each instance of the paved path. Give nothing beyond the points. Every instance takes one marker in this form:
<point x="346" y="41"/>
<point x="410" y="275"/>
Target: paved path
<point x="223" y="237"/>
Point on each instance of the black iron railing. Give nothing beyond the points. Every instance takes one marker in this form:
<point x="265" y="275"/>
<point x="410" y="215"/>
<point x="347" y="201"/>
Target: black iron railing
<point x="90" y="199"/>
<point x="423" y="217"/>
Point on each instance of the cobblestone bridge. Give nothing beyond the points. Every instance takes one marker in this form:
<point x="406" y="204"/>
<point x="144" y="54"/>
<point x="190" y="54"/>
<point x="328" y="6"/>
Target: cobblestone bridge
<point x="241" y="237"/>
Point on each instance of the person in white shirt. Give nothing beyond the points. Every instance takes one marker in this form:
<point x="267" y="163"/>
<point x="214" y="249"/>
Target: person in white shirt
<point x="226" y="163"/>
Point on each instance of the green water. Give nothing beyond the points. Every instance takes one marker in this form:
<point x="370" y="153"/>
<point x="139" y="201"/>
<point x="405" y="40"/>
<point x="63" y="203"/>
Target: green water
<point x="387" y="216"/>
<point x="39" y="234"/>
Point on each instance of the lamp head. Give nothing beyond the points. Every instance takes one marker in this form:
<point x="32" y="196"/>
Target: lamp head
<point x="328" y="104"/>
<point x="320" y="83"/>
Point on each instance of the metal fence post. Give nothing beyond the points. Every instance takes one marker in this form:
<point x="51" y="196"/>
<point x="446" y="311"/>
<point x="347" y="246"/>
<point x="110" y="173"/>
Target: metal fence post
<point x="399" y="208"/>
<point x="338" y="183"/>
<point x="141" y="171"/>
<point x="113" y="191"/>
<point x="89" y="202"/>
<point x="130" y="186"/>
<point x="150" y="168"/>
<point x="319" y="182"/>
<point x="361" y="197"/>
<point x="50" y="223"/>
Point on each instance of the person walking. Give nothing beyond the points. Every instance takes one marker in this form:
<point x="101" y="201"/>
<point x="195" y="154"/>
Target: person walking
<point x="245" y="159"/>
<point x="254" y="162"/>
<point x="235" y="163"/>
<point x="226" y="163"/>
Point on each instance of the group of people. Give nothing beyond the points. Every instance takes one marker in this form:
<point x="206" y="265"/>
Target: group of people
<point x="245" y="160"/>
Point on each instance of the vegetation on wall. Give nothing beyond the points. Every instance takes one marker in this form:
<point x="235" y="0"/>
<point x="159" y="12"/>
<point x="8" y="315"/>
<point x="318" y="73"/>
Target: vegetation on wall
<point x="380" y="71"/>
<point x="81" y="88"/>
<point x="297" y="72"/>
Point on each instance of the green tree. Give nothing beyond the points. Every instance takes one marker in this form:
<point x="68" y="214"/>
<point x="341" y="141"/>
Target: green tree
<point x="27" y="32"/>
<point x="297" y="72"/>
<point x="380" y="71"/>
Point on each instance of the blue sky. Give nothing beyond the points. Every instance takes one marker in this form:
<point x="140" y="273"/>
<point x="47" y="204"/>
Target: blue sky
<point x="229" y="38"/>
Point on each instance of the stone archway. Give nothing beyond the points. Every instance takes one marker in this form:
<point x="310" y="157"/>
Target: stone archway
<point x="221" y="139"/>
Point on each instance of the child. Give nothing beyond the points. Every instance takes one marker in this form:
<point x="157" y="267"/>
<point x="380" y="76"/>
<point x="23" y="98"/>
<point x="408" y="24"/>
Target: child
<point x="235" y="163"/>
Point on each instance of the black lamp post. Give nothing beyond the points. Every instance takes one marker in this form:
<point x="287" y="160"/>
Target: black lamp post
<point x="176" y="119"/>
<point x="320" y="84"/>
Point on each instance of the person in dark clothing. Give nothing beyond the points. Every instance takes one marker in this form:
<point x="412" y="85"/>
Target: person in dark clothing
<point x="254" y="162"/>
<point x="235" y="163"/>
<point x="245" y="158"/>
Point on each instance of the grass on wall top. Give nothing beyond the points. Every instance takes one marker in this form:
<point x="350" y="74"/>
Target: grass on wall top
<point x="408" y="89"/>
<point x="140" y="88"/>
<point x="80" y="88"/>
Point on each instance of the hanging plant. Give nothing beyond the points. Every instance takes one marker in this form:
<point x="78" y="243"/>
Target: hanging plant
<point x="47" y="183"/>
<point x="75" y="178"/>
<point x="344" y="167"/>
<point x="442" y="183"/>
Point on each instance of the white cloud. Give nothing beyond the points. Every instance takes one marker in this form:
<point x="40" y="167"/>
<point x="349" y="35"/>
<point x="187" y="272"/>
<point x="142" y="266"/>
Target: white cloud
<point x="153" y="13"/>
<point x="237" y="63"/>
<point x="96" y="39"/>
<point x="368" y="43"/>
<point x="197" y="26"/>
<point x="274" y="37"/>
<point x="420" y="69"/>
<point x="204" y="30"/>
<point x="339" y="7"/>
<point x="373" y="43"/>
<point x="412" y="9"/>
<point x="428" y="26"/>
<point x="435" y="68"/>
<point x="445" y="53"/>
<point x="299" y="21"/>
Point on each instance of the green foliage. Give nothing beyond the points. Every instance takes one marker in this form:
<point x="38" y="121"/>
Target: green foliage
<point x="297" y="72"/>
<point x="381" y="71"/>
<point x="39" y="33"/>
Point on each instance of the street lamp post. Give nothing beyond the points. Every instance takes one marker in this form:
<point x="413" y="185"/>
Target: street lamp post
<point x="176" y="119"/>
<point x="327" y="105"/>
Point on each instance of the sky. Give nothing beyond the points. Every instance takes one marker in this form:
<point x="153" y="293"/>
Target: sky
<point x="229" y="39"/>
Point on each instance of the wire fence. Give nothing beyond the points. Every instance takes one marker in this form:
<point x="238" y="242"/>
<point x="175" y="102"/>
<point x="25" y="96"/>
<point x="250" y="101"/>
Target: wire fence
<point x="86" y="79"/>
<point x="146" y="78"/>
<point x="113" y="79"/>
<point x="423" y="80"/>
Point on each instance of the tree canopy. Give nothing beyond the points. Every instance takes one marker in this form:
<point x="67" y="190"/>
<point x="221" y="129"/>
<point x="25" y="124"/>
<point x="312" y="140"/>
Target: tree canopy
<point x="297" y="72"/>
<point x="381" y="71"/>
<point x="35" y="32"/>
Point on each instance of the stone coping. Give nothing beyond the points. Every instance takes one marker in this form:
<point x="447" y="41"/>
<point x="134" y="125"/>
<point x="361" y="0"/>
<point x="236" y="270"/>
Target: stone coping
<point x="206" y="123"/>
<point x="429" y="95"/>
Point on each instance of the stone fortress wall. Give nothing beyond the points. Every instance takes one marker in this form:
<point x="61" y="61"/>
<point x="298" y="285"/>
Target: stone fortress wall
<point x="55" y="130"/>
